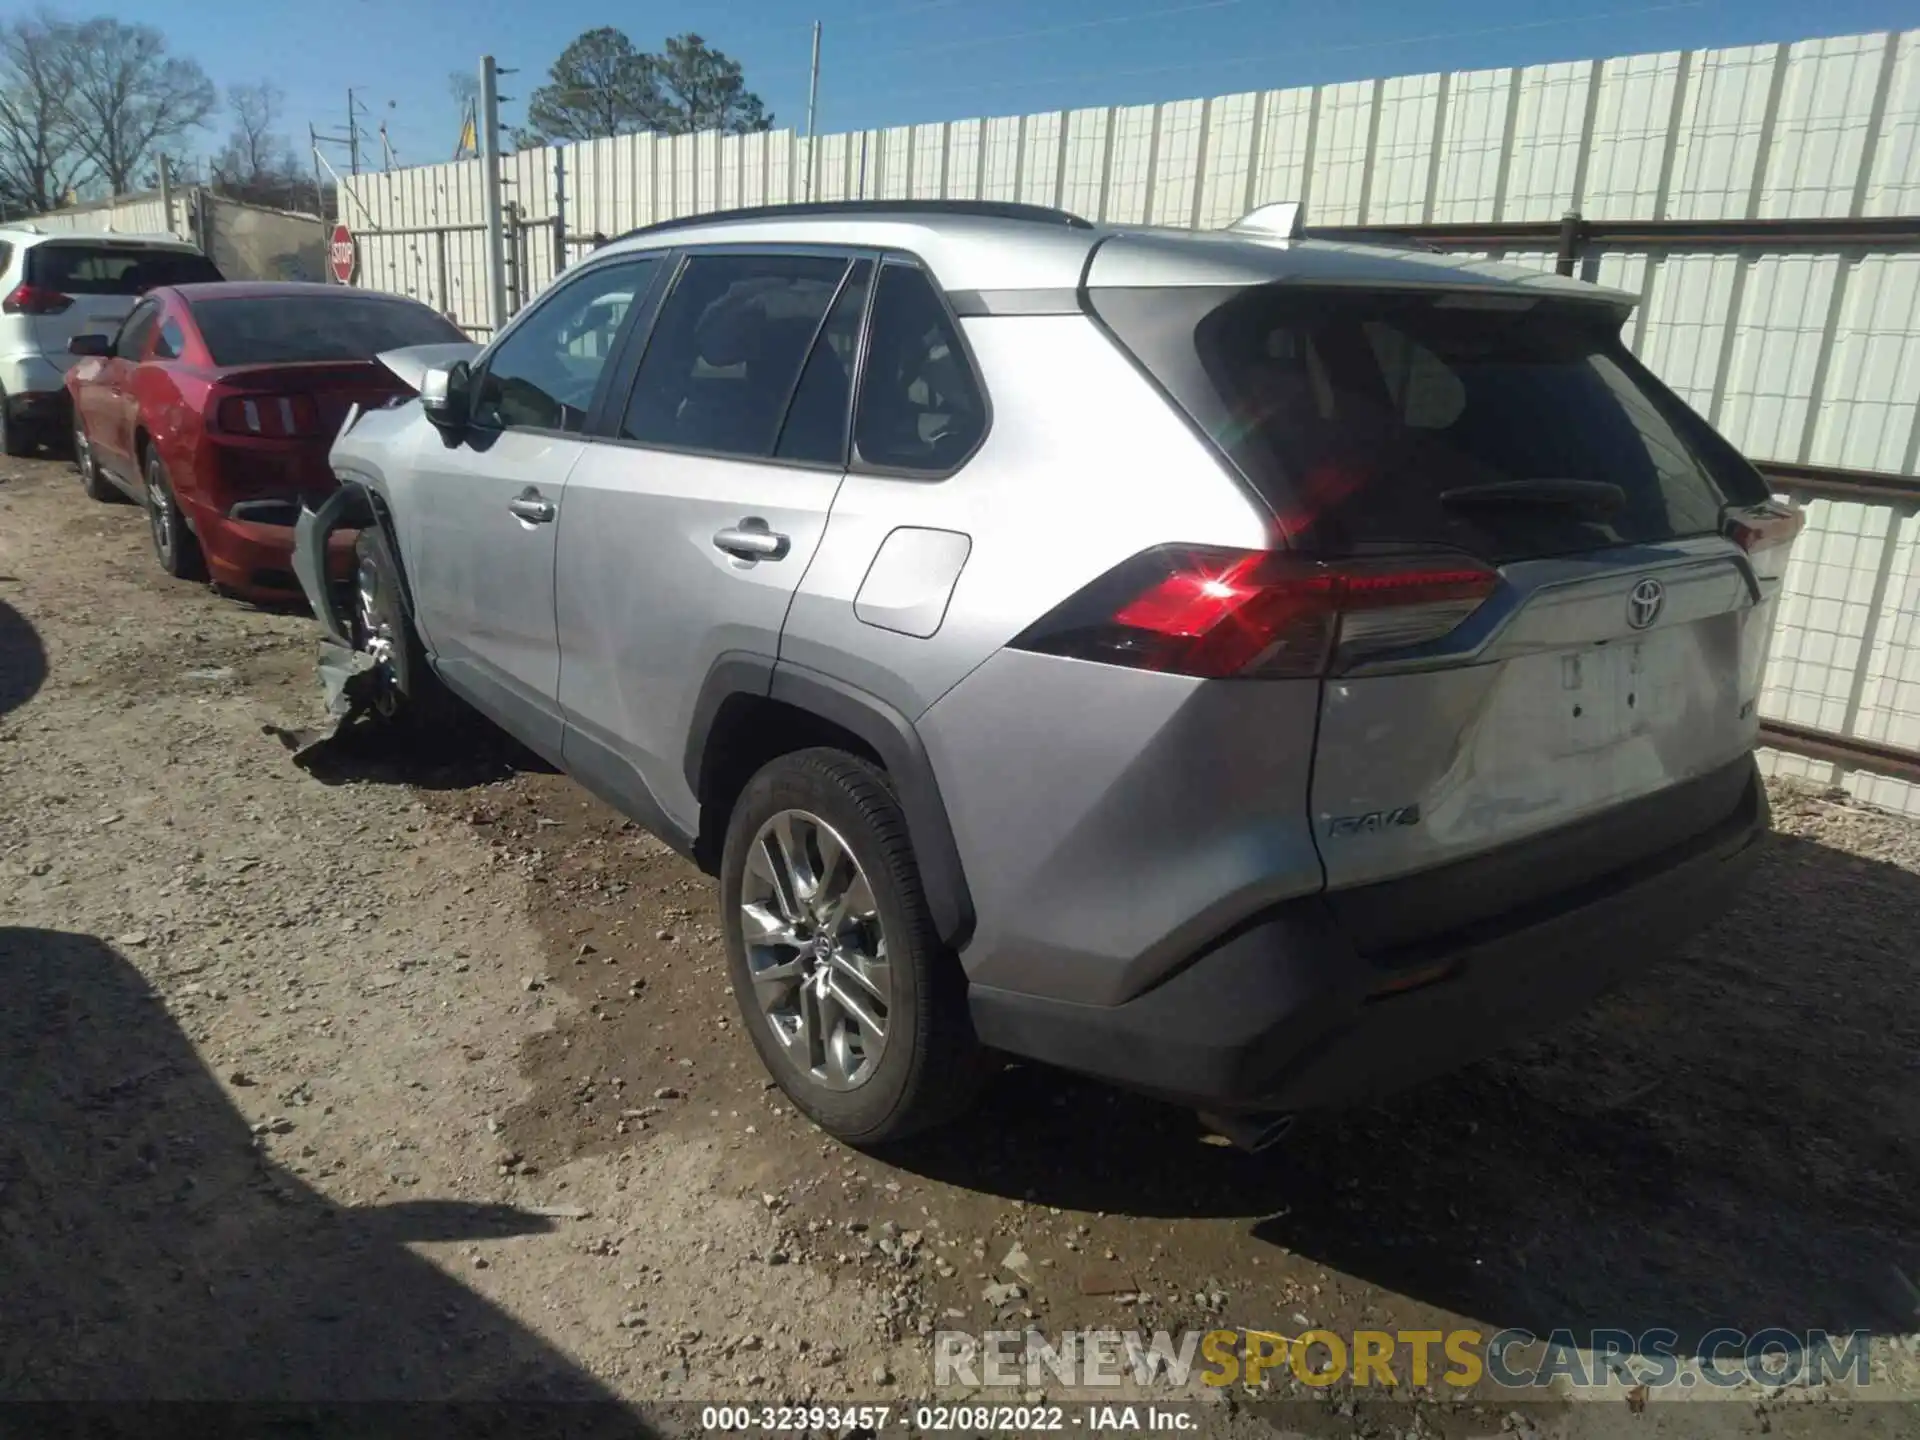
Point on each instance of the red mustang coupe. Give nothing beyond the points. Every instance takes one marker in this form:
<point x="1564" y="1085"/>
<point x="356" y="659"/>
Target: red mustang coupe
<point x="215" y="405"/>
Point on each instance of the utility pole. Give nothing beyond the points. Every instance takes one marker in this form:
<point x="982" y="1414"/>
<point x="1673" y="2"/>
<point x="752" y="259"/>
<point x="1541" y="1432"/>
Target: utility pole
<point x="319" y="190"/>
<point x="166" y="192"/>
<point x="353" y="133"/>
<point x="813" y="101"/>
<point x="489" y="138"/>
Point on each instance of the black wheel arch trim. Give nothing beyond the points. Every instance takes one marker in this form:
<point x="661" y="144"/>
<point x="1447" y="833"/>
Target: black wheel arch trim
<point x="892" y="737"/>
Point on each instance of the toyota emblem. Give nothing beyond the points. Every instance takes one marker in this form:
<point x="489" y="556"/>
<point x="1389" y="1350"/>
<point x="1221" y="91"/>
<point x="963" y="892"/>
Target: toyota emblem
<point x="1645" y="602"/>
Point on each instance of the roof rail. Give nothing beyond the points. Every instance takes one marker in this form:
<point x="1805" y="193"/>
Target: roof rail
<point x="976" y="209"/>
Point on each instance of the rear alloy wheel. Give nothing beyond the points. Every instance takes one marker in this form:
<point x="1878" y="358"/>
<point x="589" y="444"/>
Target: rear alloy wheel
<point x="816" y="949"/>
<point x="173" y="543"/>
<point x="856" y="1008"/>
<point x="96" y="485"/>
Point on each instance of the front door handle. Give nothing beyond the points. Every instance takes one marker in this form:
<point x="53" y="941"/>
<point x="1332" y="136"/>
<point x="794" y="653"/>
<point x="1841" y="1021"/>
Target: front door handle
<point x="530" y="506"/>
<point x="751" y="539"/>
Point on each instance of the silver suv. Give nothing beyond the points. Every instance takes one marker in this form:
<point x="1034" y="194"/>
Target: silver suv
<point x="1260" y="671"/>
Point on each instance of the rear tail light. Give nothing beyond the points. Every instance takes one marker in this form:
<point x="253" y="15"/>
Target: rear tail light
<point x="1765" y="532"/>
<point x="277" y="417"/>
<point x="1217" y="613"/>
<point x="34" y="300"/>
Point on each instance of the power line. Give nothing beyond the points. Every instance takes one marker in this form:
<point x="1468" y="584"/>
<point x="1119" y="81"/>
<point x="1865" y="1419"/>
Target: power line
<point x="1295" y="52"/>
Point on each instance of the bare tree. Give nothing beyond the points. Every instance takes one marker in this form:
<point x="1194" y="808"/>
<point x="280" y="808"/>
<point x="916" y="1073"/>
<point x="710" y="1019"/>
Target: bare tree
<point x="256" y="163"/>
<point x="39" y="159"/>
<point x="129" y="98"/>
<point x="252" y="148"/>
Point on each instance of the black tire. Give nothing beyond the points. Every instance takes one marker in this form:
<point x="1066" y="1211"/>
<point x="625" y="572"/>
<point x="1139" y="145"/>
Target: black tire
<point x="406" y="694"/>
<point x="174" y="545"/>
<point x="16" y="440"/>
<point x="96" y="485"/>
<point x="931" y="1066"/>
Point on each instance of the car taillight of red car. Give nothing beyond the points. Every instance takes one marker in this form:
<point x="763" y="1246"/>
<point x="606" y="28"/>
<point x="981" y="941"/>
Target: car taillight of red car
<point x="268" y="417"/>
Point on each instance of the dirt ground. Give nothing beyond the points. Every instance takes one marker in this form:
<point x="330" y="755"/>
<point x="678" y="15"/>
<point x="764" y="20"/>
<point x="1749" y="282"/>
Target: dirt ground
<point x="416" y="1076"/>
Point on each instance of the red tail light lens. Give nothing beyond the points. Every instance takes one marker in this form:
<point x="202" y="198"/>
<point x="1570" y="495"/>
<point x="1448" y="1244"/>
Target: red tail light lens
<point x="34" y="300"/>
<point x="1218" y="614"/>
<point x="276" y="417"/>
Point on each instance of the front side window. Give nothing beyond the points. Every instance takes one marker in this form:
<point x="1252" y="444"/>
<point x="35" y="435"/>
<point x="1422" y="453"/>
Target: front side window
<point x="727" y="351"/>
<point x="131" y="342"/>
<point x="921" y="407"/>
<point x="543" y="375"/>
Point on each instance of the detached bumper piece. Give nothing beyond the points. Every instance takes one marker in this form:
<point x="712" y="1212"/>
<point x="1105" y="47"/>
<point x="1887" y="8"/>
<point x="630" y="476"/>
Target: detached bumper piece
<point x="345" y="673"/>
<point x="1286" y="1013"/>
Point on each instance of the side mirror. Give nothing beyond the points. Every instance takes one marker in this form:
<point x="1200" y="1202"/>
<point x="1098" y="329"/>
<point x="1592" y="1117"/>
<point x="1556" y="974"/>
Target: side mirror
<point x="443" y="395"/>
<point x="97" y="345"/>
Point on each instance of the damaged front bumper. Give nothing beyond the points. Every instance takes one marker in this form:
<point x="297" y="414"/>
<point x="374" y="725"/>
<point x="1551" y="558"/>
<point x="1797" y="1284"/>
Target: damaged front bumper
<point x="345" y="671"/>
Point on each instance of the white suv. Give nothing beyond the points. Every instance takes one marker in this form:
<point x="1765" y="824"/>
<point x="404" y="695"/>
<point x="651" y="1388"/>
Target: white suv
<point x="54" y="287"/>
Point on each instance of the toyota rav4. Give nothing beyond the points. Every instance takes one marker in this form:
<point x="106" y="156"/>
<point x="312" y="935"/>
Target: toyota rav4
<point x="1257" y="670"/>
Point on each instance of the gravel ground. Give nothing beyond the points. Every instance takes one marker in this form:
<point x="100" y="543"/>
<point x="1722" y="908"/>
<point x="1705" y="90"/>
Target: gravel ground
<point x="417" y="1076"/>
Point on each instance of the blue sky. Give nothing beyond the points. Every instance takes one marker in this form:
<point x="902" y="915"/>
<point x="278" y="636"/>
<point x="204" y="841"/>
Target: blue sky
<point x="889" y="62"/>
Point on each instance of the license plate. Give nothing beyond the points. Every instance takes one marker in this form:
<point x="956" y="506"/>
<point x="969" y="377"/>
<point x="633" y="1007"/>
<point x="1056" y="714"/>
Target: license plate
<point x="1612" y="691"/>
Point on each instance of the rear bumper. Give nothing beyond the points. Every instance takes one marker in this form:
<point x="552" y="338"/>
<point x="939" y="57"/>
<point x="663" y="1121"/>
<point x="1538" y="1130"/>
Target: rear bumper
<point x="37" y="395"/>
<point x="1286" y="1014"/>
<point x="256" y="560"/>
<point x="27" y="373"/>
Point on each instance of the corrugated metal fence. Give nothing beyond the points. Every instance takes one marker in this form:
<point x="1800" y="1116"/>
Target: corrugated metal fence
<point x="1806" y="352"/>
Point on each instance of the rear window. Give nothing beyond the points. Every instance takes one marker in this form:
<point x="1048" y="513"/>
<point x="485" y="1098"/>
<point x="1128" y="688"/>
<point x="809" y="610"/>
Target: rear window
<point x="288" y="329"/>
<point x="1373" y="421"/>
<point x="115" y="269"/>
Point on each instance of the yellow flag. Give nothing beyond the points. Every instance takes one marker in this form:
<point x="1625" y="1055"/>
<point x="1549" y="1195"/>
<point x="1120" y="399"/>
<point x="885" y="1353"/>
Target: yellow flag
<point x="469" y="140"/>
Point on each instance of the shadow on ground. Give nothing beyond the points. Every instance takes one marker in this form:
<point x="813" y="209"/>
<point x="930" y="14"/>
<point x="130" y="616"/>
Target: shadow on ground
<point x="470" y="751"/>
<point x="1731" y="1141"/>
<point x="152" y="1251"/>
<point x="23" y="659"/>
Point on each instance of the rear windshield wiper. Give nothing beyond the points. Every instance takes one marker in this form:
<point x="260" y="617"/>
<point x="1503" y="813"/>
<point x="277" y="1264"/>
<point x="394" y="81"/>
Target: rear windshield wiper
<point x="1597" y="497"/>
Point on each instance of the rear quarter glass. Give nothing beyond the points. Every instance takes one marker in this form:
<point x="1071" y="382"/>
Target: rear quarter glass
<point x="1361" y="417"/>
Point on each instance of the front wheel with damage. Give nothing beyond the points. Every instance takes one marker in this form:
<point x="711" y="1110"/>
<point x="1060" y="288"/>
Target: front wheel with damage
<point x="402" y="689"/>
<point x="856" y="1008"/>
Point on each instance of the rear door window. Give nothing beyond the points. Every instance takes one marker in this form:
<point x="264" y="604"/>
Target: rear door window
<point x="815" y="430"/>
<point x="96" y="269"/>
<point x="1381" y="421"/>
<point x="726" y="353"/>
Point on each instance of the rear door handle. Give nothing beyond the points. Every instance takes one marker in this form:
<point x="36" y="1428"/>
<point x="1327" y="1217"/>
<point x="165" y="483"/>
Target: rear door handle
<point x="530" y="506"/>
<point x="751" y="540"/>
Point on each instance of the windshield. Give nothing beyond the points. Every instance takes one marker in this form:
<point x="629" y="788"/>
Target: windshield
<point x="1382" y="420"/>
<point x="341" y="325"/>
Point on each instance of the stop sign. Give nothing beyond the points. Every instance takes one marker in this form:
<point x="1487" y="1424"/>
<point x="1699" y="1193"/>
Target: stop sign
<point x="342" y="254"/>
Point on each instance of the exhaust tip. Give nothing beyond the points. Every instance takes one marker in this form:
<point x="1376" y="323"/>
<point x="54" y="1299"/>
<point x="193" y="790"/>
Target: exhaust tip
<point x="1250" y="1133"/>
